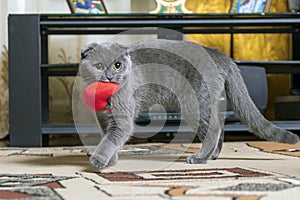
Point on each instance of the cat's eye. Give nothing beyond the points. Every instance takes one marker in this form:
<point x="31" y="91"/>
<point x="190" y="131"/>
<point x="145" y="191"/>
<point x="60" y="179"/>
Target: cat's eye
<point x="117" y="66"/>
<point x="99" y="66"/>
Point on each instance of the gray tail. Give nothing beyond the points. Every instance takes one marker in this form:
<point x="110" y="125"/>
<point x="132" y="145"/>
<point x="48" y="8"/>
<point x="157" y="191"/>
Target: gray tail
<point x="244" y="107"/>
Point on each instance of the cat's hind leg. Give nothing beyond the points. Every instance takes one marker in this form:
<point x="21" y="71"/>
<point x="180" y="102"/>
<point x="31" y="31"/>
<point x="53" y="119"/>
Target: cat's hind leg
<point x="218" y="147"/>
<point x="211" y="136"/>
<point x="211" y="147"/>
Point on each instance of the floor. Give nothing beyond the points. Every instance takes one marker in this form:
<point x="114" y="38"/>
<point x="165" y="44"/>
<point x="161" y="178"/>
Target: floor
<point x="244" y="170"/>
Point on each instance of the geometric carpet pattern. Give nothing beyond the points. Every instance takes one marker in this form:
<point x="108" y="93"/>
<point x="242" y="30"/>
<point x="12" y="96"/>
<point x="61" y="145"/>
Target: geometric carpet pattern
<point x="243" y="171"/>
<point x="30" y="186"/>
<point x="187" y="174"/>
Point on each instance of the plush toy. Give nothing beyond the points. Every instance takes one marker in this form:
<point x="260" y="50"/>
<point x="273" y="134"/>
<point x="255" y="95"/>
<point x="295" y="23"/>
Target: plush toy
<point x="97" y="95"/>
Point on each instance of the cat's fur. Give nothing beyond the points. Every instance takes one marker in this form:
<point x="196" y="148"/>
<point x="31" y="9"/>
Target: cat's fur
<point x="195" y="95"/>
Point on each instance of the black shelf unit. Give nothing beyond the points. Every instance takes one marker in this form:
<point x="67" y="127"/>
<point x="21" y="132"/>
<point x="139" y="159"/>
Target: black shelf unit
<point x="29" y="69"/>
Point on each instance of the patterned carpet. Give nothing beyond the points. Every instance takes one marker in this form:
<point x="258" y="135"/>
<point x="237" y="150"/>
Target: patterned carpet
<point x="244" y="171"/>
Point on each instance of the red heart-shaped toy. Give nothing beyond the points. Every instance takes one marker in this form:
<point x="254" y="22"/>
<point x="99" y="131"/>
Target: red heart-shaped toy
<point x="96" y="95"/>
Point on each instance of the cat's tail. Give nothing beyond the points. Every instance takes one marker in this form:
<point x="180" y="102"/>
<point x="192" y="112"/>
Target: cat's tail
<point x="244" y="107"/>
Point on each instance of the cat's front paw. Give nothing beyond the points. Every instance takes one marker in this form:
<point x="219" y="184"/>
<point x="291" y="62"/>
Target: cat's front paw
<point x="97" y="163"/>
<point x="194" y="159"/>
<point x="113" y="161"/>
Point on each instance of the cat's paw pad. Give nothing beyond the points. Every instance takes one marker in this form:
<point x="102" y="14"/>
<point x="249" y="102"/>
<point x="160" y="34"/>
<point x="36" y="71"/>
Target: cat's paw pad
<point x="96" y="163"/>
<point x="194" y="159"/>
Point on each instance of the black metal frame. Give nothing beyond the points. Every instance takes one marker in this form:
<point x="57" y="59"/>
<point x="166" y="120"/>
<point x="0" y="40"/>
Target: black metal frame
<point x="29" y="69"/>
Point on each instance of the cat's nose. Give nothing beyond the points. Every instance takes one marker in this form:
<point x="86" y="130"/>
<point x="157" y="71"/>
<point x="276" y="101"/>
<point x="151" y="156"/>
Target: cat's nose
<point x="109" y="76"/>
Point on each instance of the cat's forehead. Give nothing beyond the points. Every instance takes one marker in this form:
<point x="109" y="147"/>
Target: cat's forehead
<point x="109" y="51"/>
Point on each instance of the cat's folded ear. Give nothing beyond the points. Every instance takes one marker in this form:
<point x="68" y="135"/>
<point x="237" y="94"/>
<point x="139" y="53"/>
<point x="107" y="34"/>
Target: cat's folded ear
<point x="86" y="50"/>
<point x="125" y="48"/>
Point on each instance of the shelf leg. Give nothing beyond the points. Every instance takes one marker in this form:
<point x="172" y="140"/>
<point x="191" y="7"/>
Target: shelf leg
<point x="24" y="81"/>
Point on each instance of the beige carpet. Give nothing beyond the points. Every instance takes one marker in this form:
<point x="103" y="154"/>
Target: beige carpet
<point x="244" y="171"/>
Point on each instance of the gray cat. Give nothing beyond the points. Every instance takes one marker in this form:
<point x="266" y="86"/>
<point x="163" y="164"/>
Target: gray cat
<point x="181" y="76"/>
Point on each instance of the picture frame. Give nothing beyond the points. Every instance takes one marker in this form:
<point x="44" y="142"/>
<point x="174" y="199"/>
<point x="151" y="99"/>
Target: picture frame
<point x="170" y="7"/>
<point x="87" y="6"/>
<point x="250" y="6"/>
